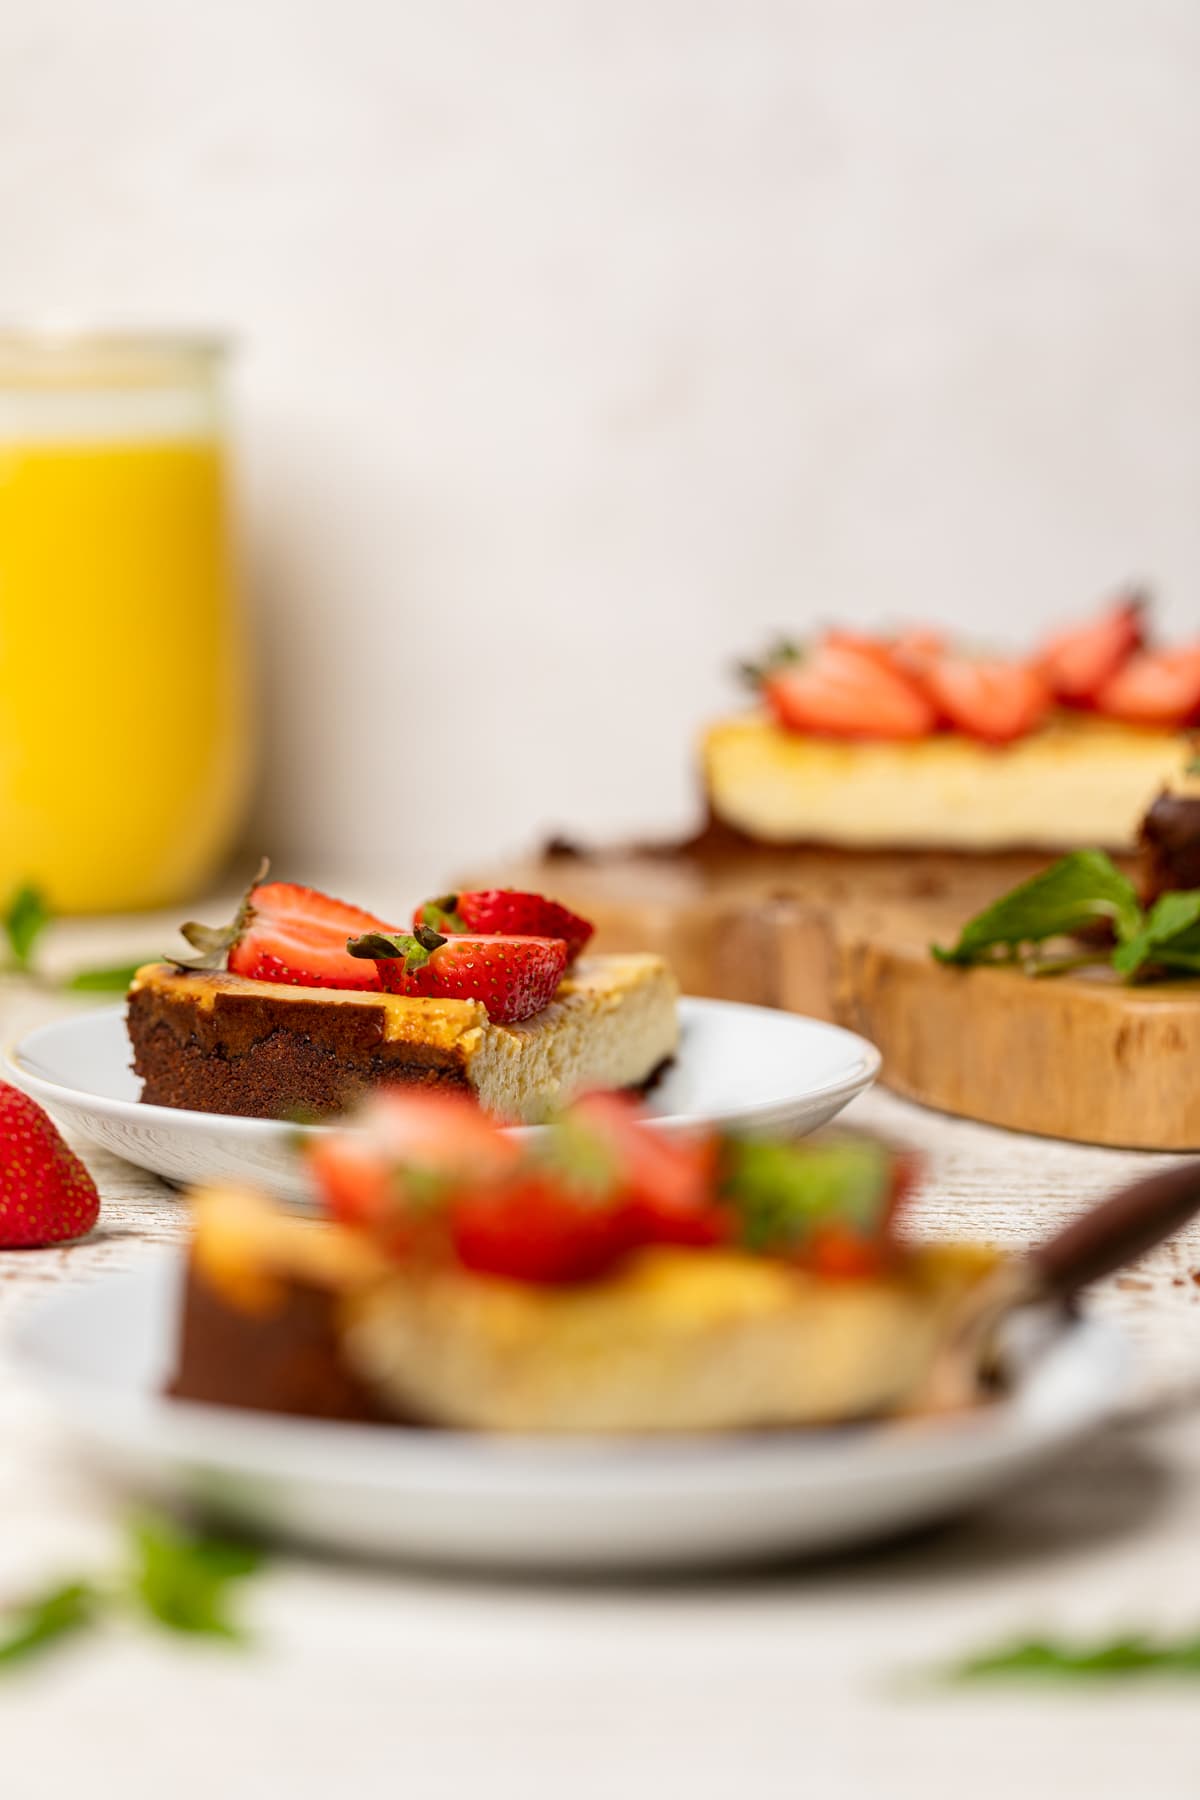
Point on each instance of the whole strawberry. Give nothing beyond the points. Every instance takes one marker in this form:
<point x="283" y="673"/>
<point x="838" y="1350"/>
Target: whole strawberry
<point x="46" y="1194"/>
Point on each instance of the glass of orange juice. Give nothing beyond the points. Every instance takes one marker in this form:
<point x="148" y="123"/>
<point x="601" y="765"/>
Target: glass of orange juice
<point x="124" y="718"/>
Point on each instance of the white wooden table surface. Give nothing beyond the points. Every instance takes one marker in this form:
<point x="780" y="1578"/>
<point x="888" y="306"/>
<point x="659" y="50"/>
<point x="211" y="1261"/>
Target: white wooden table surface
<point x="783" y="1683"/>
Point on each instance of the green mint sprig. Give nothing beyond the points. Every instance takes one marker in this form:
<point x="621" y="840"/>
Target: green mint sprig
<point x="1079" y="890"/>
<point x="179" y="1580"/>
<point x="1074" y="892"/>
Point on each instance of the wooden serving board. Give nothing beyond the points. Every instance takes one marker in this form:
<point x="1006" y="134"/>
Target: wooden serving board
<point x="846" y="937"/>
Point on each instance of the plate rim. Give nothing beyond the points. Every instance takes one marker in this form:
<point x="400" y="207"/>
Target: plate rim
<point x="245" y="1442"/>
<point x="843" y="1087"/>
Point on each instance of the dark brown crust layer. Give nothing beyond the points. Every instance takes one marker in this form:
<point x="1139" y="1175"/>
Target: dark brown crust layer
<point x="285" y="1361"/>
<point x="266" y="1058"/>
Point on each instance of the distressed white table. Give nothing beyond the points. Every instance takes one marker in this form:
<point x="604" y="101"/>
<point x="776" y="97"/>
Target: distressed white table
<point x="794" y="1681"/>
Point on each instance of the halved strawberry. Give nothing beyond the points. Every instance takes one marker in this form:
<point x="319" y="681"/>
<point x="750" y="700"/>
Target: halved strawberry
<point x="844" y="688"/>
<point x="1079" y="661"/>
<point x="287" y="933"/>
<point x="539" y="1228"/>
<point x="915" y="649"/>
<point x="508" y="913"/>
<point x="991" y="700"/>
<point x="1155" y="687"/>
<point x="670" y="1181"/>
<point x="396" y="1175"/>
<point x="514" y="977"/>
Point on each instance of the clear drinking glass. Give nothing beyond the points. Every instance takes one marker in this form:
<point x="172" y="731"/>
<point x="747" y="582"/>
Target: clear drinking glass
<point x="124" y="716"/>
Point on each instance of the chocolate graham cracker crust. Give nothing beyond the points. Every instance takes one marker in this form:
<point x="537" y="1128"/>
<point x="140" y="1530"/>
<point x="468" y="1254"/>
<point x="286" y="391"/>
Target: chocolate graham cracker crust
<point x="241" y="1058"/>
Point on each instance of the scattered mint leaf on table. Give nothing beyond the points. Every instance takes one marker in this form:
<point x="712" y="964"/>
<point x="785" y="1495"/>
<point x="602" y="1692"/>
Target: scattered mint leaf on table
<point x="1043" y="1659"/>
<point x="22" y="923"/>
<point x="178" y="1579"/>
<point x="1076" y="891"/>
<point x="183" y="1580"/>
<point x="25" y="918"/>
<point x="112" y="980"/>
<point x="47" y="1619"/>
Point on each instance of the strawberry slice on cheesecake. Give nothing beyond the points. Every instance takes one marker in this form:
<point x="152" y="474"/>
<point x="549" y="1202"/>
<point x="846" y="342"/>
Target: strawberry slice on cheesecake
<point x="303" y="1003"/>
<point x="908" y="742"/>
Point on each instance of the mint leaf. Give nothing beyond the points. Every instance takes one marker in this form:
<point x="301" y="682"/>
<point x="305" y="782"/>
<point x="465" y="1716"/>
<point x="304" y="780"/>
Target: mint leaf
<point x="183" y="1579"/>
<point x="1170" y="934"/>
<point x="781" y="1194"/>
<point x="1073" y="892"/>
<point x="59" y="1613"/>
<point x="1043" y="1659"/>
<point x="177" y="1578"/>
<point x="112" y="980"/>
<point x="25" y="918"/>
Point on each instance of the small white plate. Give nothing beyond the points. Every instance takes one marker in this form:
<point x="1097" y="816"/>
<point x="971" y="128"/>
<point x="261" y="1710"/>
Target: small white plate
<point x="101" y="1354"/>
<point x="738" y="1066"/>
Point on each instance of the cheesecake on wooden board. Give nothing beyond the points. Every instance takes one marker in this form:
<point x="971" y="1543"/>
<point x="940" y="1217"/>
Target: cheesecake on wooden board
<point x="1077" y="780"/>
<point x="906" y="743"/>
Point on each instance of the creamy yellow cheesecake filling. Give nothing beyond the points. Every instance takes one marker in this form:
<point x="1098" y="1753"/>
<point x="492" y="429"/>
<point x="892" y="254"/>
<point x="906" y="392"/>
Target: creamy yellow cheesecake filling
<point x="1079" y="781"/>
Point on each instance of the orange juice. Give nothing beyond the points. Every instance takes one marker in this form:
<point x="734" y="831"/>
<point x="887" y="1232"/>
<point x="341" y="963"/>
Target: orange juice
<point x="123" y="706"/>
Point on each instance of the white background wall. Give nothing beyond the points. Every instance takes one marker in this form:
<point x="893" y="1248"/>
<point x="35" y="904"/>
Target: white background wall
<point x="583" y="341"/>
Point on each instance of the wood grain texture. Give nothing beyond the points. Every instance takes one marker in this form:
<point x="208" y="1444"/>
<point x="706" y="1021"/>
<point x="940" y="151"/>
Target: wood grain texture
<point x="847" y="938"/>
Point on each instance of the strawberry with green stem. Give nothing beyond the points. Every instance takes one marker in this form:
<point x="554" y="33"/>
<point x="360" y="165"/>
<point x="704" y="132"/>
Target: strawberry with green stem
<point x="506" y="912"/>
<point x="514" y="977"/>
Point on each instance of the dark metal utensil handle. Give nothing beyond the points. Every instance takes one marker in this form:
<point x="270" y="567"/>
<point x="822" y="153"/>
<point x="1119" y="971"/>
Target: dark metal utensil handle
<point x="1118" y="1231"/>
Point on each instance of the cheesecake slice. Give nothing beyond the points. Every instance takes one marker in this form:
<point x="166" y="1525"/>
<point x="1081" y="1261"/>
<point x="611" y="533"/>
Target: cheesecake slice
<point x="1078" y="781"/>
<point x="220" y="1043"/>
<point x="289" y="1315"/>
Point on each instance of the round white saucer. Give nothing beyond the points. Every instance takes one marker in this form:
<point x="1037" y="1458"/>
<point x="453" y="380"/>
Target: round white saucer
<point x="739" y="1067"/>
<point x="102" y="1353"/>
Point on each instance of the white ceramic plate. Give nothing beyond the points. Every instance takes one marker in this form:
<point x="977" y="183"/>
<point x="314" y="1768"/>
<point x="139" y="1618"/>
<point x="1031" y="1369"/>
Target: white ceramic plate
<point x="101" y="1354"/>
<point x="745" y="1066"/>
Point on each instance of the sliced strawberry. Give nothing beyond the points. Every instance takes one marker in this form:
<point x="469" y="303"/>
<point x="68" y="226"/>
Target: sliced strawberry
<point x="539" y="1228"/>
<point x="844" y="688"/>
<point x="397" y="1174"/>
<point x="292" y="934"/>
<point x="914" y="650"/>
<point x="507" y="913"/>
<point x="514" y="977"/>
<point x="670" y="1181"/>
<point x="994" y="701"/>
<point x="1155" y="687"/>
<point x="1078" y="662"/>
